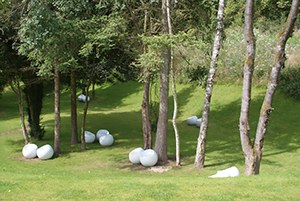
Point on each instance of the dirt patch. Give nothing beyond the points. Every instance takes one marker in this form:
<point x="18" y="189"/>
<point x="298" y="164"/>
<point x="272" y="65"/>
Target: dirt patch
<point x="160" y="169"/>
<point x="29" y="159"/>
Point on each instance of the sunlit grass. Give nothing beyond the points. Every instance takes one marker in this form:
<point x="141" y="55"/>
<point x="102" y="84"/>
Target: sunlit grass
<point x="105" y="173"/>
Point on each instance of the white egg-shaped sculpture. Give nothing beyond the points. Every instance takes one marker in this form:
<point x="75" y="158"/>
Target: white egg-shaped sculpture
<point x="45" y="152"/>
<point x="134" y="155"/>
<point x="89" y="137"/>
<point x="148" y="157"/>
<point x="233" y="171"/>
<point x="229" y="172"/>
<point x="192" y="120"/>
<point x="106" y="140"/>
<point x="198" y="122"/>
<point x="220" y="174"/>
<point x="29" y="150"/>
<point x="81" y="97"/>
<point x="101" y="132"/>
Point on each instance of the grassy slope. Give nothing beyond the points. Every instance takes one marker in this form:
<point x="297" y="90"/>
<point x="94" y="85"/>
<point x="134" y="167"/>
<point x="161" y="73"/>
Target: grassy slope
<point x="105" y="173"/>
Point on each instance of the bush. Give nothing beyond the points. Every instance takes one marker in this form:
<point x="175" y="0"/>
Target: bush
<point x="289" y="82"/>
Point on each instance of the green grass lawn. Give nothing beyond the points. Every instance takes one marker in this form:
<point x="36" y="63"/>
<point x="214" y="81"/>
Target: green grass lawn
<point x="105" y="173"/>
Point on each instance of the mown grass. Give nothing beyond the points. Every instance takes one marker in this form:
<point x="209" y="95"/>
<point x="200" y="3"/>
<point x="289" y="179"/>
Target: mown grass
<point x="105" y="173"/>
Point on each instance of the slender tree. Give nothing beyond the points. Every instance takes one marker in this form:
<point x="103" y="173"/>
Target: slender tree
<point x="56" y="111"/>
<point x="74" y="136"/>
<point x="174" y="92"/>
<point x="18" y="91"/>
<point x="253" y="153"/>
<point x="200" y="153"/>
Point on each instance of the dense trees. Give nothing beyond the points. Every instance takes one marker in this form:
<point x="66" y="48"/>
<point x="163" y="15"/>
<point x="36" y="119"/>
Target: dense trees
<point x="93" y="41"/>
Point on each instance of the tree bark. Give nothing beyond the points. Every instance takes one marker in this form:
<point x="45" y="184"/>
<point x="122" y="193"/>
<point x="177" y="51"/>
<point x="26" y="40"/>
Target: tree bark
<point x="253" y="162"/>
<point x="86" y="104"/>
<point x="246" y="94"/>
<point x="57" y="111"/>
<point x="18" y="92"/>
<point x="200" y="152"/>
<point x="145" y="115"/>
<point x="74" y="137"/>
<point x="177" y="140"/>
<point x="162" y="125"/>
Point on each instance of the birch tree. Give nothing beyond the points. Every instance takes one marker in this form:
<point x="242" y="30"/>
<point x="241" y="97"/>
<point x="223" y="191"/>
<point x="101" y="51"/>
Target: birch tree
<point x="200" y="152"/>
<point x="174" y="93"/>
<point x="253" y="152"/>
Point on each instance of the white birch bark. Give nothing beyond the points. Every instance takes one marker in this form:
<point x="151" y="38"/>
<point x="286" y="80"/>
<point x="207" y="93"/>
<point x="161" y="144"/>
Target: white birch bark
<point x="177" y="140"/>
<point x="200" y="152"/>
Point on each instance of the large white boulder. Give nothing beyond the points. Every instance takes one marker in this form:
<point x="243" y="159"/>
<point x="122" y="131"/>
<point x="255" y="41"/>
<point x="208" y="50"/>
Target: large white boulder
<point x="229" y="172"/>
<point x="106" y="140"/>
<point x="198" y="122"/>
<point x="45" y="152"/>
<point x="101" y="132"/>
<point x="192" y="120"/>
<point x="134" y="155"/>
<point x="89" y="137"/>
<point x="29" y="150"/>
<point x="148" y="157"/>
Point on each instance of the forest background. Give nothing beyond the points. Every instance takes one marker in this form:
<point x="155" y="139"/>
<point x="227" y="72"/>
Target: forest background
<point x="81" y="35"/>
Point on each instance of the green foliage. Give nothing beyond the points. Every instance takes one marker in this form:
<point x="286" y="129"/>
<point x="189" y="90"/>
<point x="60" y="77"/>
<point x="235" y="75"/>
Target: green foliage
<point x="289" y="82"/>
<point x="152" y="62"/>
<point x="198" y="75"/>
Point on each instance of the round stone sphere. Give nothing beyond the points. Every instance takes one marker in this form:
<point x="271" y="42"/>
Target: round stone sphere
<point x="29" y="150"/>
<point x="81" y="98"/>
<point x="192" y="120"/>
<point x="198" y="122"/>
<point x="89" y="137"/>
<point x="101" y="132"/>
<point x="106" y="140"/>
<point x="134" y="155"/>
<point x="148" y="157"/>
<point x="45" y="152"/>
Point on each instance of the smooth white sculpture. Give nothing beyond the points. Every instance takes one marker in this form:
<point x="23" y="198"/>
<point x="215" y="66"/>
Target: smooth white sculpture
<point x="82" y="98"/>
<point x="229" y="172"/>
<point x="134" y="155"/>
<point x="106" y="140"/>
<point x="29" y="150"/>
<point x="102" y="132"/>
<point x="89" y="137"/>
<point x="148" y="157"/>
<point x="192" y="120"/>
<point x="198" y="122"/>
<point x="45" y="152"/>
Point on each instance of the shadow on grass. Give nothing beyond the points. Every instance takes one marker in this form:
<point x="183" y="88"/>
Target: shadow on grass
<point x="223" y="145"/>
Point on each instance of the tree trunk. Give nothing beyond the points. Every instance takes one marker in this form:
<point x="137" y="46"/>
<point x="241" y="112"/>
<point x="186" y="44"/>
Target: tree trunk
<point x="200" y="153"/>
<point x="162" y="125"/>
<point x="93" y="91"/>
<point x="74" y="137"/>
<point x="145" y="115"/>
<point x="253" y="161"/>
<point x="174" y="93"/>
<point x="57" y="111"/>
<point x="21" y="110"/>
<point x="86" y="104"/>
<point x="34" y="98"/>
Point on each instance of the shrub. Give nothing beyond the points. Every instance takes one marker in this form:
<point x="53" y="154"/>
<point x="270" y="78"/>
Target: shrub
<point x="289" y="82"/>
